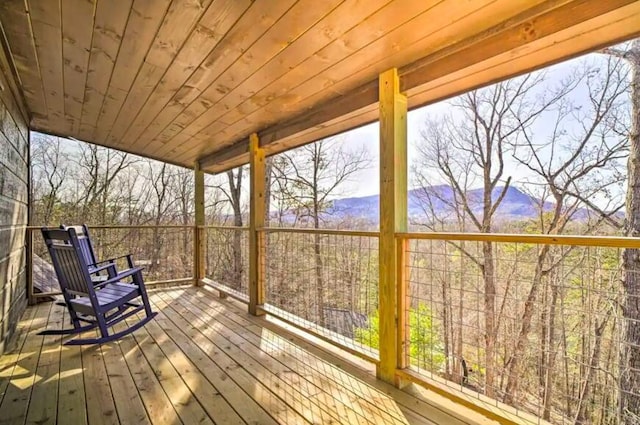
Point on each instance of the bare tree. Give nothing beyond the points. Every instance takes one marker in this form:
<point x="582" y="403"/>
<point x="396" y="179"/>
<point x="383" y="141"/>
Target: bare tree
<point x="50" y="169"/>
<point x="307" y="179"/>
<point x="580" y="160"/>
<point x="470" y="151"/>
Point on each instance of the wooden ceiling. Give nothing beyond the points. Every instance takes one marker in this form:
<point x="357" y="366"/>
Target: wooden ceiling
<point x="189" y="80"/>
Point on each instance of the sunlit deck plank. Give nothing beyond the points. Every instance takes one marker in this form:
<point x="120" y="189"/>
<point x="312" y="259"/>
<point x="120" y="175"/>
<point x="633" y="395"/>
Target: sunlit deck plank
<point x="175" y="385"/>
<point x="16" y="398"/>
<point x="335" y="399"/>
<point x="72" y="403"/>
<point x="158" y="385"/>
<point x="295" y="398"/>
<point x="8" y="360"/>
<point x="101" y="407"/>
<point x="44" y="395"/>
<point x="129" y="404"/>
<point x="203" y="377"/>
<point x="241" y="389"/>
<point x="202" y="360"/>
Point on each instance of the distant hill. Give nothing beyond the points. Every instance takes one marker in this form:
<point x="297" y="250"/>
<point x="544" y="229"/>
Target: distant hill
<point x="516" y="204"/>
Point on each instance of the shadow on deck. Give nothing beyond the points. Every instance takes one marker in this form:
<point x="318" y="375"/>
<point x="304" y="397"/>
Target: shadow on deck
<point x="203" y="360"/>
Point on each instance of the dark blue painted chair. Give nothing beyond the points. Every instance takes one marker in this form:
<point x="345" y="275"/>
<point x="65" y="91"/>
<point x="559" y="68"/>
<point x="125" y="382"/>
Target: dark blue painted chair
<point x="99" y="305"/>
<point x="97" y="269"/>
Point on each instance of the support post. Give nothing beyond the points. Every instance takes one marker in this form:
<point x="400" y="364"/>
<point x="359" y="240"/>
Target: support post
<point x="393" y="214"/>
<point x="199" y="233"/>
<point x="256" y="224"/>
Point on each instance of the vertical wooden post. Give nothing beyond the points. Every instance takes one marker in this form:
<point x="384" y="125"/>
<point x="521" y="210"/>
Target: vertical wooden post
<point x="199" y="234"/>
<point x="393" y="213"/>
<point x="256" y="223"/>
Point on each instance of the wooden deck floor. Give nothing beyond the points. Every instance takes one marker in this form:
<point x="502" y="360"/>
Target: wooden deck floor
<point x="202" y="360"/>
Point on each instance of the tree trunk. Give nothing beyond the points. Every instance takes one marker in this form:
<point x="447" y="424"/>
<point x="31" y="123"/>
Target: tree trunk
<point x="513" y="367"/>
<point x="582" y="417"/>
<point x="630" y="350"/>
<point x="488" y="272"/>
<point x="550" y="360"/>
<point x="235" y="188"/>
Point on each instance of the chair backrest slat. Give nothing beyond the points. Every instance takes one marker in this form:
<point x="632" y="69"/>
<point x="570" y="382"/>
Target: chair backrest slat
<point x="68" y="261"/>
<point x="86" y="246"/>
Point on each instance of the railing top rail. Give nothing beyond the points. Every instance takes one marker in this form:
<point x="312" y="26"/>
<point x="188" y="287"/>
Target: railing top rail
<point x="213" y="226"/>
<point x="320" y="231"/>
<point x="123" y="226"/>
<point x="600" y="241"/>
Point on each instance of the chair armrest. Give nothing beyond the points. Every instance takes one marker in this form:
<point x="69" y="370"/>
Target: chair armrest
<point x="112" y="260"/>
<point x="96" y="269"/>
<point x="120" y="276"/>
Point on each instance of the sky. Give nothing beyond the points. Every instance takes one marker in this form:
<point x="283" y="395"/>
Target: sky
<point x="366" y="182"/>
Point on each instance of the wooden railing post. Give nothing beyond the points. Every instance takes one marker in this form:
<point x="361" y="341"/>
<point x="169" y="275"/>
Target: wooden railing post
<point x="199" y="234"/>
<point x="256" y="222"/>
<point x="393" y="214"/>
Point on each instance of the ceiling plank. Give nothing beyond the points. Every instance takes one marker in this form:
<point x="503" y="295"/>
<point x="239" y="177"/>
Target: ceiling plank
<point x="77" y="31"/>
<point x="297" y="21"/>
<point x="330" y="26"/>
<point x="47" y="33"/>
<point x="166" y="97"/>
<point x="110" y="22"/>
<point x="144" y="21"/>
<point x="596" y="33"/>
<point x="310" y="87"/>
<point x="246" y="31"/>
<point x="179" y="22"/>
<point x="18" y="32"/>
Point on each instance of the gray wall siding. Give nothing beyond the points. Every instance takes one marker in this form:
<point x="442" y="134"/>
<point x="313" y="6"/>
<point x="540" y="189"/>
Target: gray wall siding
<point x="14" y="177"/>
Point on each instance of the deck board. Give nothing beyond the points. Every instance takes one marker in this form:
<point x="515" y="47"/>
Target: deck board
<point x="202" y="360"/>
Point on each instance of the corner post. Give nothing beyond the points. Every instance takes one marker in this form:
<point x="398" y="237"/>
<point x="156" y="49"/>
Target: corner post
<point x="199" y="233"/>
<point x="393" y="216"/>
<point x="256" y="224"/>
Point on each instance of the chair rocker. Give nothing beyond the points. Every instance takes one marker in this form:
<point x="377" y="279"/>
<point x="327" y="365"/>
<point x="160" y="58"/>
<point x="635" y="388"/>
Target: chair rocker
<point x="100" y="305"/>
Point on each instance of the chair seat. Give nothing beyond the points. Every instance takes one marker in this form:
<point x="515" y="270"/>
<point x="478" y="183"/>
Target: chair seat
<point x="110" y="296"/>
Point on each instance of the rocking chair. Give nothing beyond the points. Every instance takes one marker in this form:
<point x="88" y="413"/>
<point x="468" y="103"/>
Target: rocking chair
<point x="96" y="268"/>
<point x="101" y="304"/>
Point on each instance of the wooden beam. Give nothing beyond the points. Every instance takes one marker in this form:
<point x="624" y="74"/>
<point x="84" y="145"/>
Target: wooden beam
<point x="393" y="213"/>
<point x="225" y="154"/>
<point x="256" y="222"/>
<point x="526" y="27"/>
<point x="535" y="23"/>
<point x="199" y="235"/>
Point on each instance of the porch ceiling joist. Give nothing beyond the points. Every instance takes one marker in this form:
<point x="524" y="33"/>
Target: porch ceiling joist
<point x="189" y="80"/>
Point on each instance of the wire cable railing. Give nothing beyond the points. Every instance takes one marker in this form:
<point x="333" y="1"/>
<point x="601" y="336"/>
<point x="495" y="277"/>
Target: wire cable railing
<point x="325" y="281"/>
<point x="165" y="252"/>
<point x="227" y="260"/>
<point x="528" y="324"/>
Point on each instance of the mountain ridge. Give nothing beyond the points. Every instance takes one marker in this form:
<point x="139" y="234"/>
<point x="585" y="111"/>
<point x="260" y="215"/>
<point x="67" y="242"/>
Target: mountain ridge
<point x="516" y="204"/>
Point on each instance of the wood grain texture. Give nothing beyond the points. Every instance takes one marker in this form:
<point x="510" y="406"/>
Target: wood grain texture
<point x="110" y="22"/>
<point x="190" y="80"/>
<point x="393" y="213"/>
<point x="257" y="180"/>
<point x="77" y="31"/>
<point x="201" y="360"/>
<point x="145" y="18"/>
<point x="14" y="146"/>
